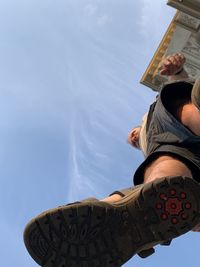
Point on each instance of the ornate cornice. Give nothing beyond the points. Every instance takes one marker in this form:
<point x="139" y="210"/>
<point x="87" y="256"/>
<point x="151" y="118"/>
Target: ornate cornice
<point x="150" y="77"/>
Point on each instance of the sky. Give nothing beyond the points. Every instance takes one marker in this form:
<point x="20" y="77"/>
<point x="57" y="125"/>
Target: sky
<point x="69" y="95"/>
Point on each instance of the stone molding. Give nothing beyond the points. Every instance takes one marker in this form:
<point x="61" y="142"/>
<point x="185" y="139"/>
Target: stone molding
<point x="188" y="22"/>
<point x="190" y="7"/>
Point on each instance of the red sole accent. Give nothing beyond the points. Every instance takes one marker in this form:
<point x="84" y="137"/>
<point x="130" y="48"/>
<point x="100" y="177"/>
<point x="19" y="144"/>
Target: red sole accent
<point x="172" y="206"/>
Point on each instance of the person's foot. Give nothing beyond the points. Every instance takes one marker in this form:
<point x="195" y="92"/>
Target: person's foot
<point x="98" y="234"/>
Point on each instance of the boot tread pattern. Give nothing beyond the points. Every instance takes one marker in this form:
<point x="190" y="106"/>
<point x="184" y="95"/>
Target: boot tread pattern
<point x="98" y="234"/>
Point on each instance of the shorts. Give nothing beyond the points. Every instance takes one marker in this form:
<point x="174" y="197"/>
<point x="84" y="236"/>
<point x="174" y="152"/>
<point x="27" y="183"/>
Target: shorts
<point x="167" y="135"/>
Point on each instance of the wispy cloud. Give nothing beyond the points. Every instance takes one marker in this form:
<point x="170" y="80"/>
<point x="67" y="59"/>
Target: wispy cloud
<point x="88" y="159"/>
<point x="90" y="9"/>
<point x="102" y="20"/>
<point x="94" y="12"/>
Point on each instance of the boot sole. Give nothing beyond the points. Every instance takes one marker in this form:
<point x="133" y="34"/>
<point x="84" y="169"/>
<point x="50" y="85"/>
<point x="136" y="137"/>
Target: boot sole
<point x="97" y="234"/>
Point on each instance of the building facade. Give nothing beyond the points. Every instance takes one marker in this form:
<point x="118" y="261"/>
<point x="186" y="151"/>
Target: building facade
<point x="183" y="36"/>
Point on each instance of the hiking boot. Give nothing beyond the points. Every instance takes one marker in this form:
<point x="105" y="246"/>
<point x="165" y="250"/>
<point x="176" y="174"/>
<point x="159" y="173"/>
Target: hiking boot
<point x="100" y="234"/>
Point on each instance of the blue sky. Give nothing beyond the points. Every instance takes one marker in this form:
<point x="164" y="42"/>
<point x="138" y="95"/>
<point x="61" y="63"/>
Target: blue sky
<point x="69" y="94"/>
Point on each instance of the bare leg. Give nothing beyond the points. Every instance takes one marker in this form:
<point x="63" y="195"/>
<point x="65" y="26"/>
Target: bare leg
<point x="112" y="198"/>
<point x="189" y="115"/>
<point x="165" y="166"/>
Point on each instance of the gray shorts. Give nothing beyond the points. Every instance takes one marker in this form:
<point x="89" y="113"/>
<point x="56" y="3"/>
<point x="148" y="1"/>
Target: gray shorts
<point x="166" y="135"/>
